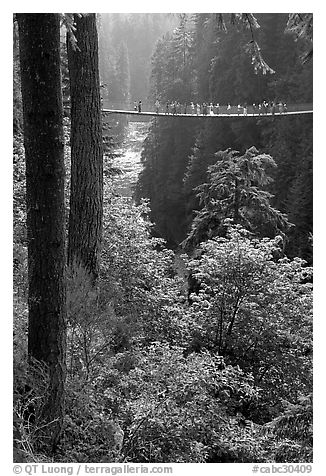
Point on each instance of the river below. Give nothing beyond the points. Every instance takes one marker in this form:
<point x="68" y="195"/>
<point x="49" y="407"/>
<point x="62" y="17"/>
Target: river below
<point x="128" y="160"/>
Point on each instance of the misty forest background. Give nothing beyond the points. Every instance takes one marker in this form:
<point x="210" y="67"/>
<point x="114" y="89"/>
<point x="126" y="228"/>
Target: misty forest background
<point x="195" y="343"/>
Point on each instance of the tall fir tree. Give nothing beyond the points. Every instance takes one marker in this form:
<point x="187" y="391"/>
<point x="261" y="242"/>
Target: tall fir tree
<point x="86" y="195"/>
<point x="39" y="43"/>
<point x="236" y="190"/>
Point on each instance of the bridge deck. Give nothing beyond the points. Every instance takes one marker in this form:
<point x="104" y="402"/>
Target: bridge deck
<point x="162" y="114"/>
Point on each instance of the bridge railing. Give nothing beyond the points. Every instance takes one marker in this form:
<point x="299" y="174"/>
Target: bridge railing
<point x="145" y="107"/>
<point x="148" y="107"/>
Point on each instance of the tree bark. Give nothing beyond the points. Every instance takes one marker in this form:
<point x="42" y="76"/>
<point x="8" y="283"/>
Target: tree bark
<point x="86" y="195"/>
<point x="39" y="42"/>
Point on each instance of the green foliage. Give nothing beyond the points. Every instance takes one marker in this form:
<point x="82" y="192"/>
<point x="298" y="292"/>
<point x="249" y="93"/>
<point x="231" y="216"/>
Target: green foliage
<point x="165" y="160"/>
<point x="256" y="311"/>
<point x="246" y="21"/>
<point x="219" y="70"/>
<point x="176" y="408"/>
<point x="173" y="76"/>
<point x="256" y="58"/>
<point x="293" y="185"/>
<point x="90" y="319"/>
<point x="19" y="207"/>
<point x="293" y="432"/>
<point x="19" y="220"/>
<point x="31" y="387"/>
<point x="235" y="190"/>
<point x="301" y="26"/>
<point x="17" y="100"/>
<point x="137" y="295"/>
<point x="139" y="32"/>
<point x="226" y="375"/>
<point x="138" y="274"/>
<point x="90" y="434"/>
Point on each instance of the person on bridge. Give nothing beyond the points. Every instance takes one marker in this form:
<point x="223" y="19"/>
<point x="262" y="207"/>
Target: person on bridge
<point x="167" y="111"/>
<point x="273" y="108"/>
<point x="217" y="108"/>
<point x="198" y="109"/>
<point x="135" y="105"/>
<point x="285" y="107"/>
<point x="157" y="106"/>
<point x="280" y="107"/>
<point x="192" y="107"/>
<point x="139" y="106"/>
<point x="245" y="109"/>
<point x="264" y="107"/>
<point x="239" y="109"/>
<point x="211" y="109"/>
<point x="254" y="107"/>
<point x="228" y="109"/>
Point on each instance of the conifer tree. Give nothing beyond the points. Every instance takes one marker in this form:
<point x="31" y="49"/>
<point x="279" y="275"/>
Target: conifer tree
<point x="235" y="190"/>
<point x="123" y="74"/>
<point x="39" y="42"/>
<point x="86" y="195"/>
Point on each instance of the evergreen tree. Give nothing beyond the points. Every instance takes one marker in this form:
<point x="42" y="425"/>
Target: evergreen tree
<point x="123" y="74"/>
<point x="181" y="53"/>
<point x="163" y="157"/>
<point x="290" y="142"/>
<point x="139" y="32"/>
<point x="160" y="75"/>
<point x="165" y="154"/>
<point x="211" y="137"/>
<point x="86" y="195"/>
<point x="235" y="191"/>
<point x="39" y="43"/>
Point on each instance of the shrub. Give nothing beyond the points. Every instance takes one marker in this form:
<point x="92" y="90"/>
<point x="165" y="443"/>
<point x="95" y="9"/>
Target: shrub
<point x="256" y="311"/>
<point x="178" y="409"/>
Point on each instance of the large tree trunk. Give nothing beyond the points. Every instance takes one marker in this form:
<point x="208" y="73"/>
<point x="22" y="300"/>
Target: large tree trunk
<point x="86" y="195"/>
<point x="39" y="41"/>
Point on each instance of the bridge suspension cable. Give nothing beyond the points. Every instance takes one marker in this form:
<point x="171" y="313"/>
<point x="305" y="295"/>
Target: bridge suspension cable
<point x="221" y="111"/>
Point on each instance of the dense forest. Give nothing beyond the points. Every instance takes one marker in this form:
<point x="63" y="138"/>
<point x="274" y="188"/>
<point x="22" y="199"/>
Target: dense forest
<point x="126" y="44"/>
<point x="175" y="326"/>
<point x="176" y="156"/>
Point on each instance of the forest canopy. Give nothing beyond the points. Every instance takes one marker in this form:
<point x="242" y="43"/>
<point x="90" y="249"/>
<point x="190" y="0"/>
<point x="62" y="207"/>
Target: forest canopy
<point x="174" y="325"/>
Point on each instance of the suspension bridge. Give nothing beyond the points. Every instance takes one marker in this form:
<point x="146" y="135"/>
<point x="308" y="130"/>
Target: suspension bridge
<point x="220" y="112"/>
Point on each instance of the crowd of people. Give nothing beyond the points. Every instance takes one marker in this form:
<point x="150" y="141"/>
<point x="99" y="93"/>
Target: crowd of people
<point x="210" y="109"/>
